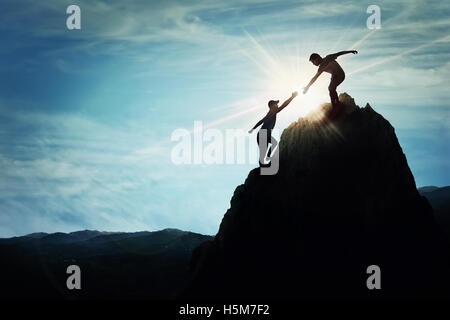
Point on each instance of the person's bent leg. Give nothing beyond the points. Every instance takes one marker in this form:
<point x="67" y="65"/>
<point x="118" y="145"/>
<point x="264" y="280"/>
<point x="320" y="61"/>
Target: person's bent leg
<point x="259" y="146"/>
<point x="336" y="83"/>
<point x="264" y="144"/>
<point x="336" y="105"/>
<point x="332" y="92"/>
<point x="333" y="98"/>
<point x="274" y="144"/>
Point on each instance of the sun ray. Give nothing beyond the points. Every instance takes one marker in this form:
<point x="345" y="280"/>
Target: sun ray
<point x="284" y="76"/>
<point x="362" y="40"/>
<point x="388" y="59"/>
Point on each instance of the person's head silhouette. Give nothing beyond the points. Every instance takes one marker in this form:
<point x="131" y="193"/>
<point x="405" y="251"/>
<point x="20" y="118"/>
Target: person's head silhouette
<point x="315" y="58"/>
<point x="273" y="104"/>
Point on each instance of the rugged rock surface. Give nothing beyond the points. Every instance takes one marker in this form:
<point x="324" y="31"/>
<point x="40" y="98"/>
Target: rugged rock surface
<point x="344" y="199"/>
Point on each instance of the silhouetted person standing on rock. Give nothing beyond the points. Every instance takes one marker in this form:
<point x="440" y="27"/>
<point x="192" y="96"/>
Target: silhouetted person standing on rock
<point x="268" y="123"/>
<point x="330" y="65"/>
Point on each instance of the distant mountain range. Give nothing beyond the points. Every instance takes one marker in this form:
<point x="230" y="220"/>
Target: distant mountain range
<point x="439" y="199"/>
<point x="144" y="265"/>
<point x="119" y="265"/>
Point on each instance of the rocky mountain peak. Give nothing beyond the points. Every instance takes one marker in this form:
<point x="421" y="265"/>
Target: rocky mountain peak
<point x="343" y="199"/>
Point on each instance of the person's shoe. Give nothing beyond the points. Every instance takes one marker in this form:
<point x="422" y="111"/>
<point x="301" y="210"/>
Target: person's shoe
<point x="265" y="165"/>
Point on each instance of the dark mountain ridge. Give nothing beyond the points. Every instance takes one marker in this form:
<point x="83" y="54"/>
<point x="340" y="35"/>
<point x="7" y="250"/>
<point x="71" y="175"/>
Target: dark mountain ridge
<point x="143" y="265"/>
<point x="439" y="199"/>
<point x="426" y="189"/>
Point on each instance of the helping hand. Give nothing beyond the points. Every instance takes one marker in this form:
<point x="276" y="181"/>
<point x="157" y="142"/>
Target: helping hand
<point x="354" y="51"/>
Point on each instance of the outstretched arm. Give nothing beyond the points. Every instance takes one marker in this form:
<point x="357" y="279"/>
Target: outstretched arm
<point x="285" y="104"/>
<point x="312" y="81"/>
<point x="257" y="125"/>
<point x="340" y="53"/>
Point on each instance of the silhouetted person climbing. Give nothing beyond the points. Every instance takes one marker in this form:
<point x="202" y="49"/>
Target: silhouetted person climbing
<point x="330" y="65"/>
<point x="268" y="123"/>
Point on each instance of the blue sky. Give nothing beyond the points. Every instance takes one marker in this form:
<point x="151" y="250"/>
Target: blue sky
<point x="86" y="116"/>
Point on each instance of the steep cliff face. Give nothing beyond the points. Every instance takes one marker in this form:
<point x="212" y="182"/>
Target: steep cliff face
<point x="344" y="198"/>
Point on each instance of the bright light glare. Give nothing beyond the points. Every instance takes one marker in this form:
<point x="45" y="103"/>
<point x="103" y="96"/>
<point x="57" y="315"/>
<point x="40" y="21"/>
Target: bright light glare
<point x="288" y="80"/>
<point x="280" y="75"/>
<point x="284" y="74"/>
